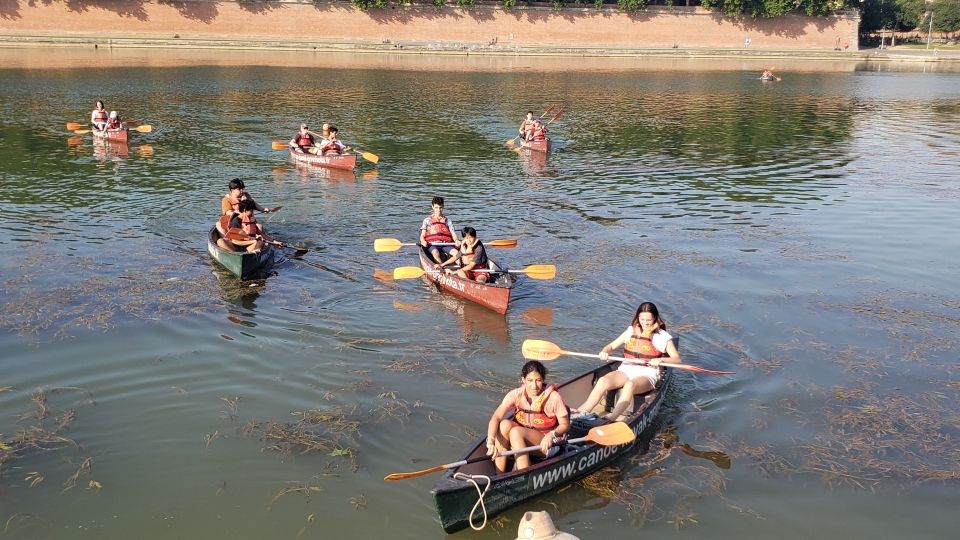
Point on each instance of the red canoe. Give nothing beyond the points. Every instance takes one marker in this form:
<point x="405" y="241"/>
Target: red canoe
<point x="539" y="146"/>
<point x="494" y="295"/>
<point x="115" y="135"/>
<point x="346" y="162"/>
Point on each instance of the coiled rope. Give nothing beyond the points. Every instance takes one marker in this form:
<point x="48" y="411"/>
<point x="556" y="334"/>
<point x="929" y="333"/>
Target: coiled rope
<point x="480" y="493"/>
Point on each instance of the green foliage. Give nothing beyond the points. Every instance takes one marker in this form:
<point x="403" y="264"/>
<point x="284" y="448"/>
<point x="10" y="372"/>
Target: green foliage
<point x="631" y="5"/>
<point x="438" y="3"/>
<point x="777" y="8"/>
<point x="896" y="14"/>
<point x="466" y="3"/>
<point x="557" y="4"/>
<point x="364" y="5"/>
<point x="946" y="15"/>
<point x="598" y="4"/>
<point x="508" y="4"/>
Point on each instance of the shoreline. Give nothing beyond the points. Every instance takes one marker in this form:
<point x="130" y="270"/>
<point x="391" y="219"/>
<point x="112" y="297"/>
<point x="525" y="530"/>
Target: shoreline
<point x="128" y="43"/>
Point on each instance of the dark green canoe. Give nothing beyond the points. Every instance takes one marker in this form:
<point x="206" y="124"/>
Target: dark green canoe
<point x="243" y="264"/>
<point x="455" y="497"/>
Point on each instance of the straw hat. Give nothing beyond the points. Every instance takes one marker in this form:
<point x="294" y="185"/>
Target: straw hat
<point x="539" y="526"/>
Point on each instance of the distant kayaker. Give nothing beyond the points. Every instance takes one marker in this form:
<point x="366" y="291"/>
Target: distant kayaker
<point x="541" y="418"/>
<point x="526" y="126"/>
<point x="538" y="132"/>
<point x="113" y="122"/>
<point x="646" y="339"/>
<point x="99" y="116"/>
<point x="302" y="140"/>
<point x="767" y="75"/>
<point x="247" y="234"/>
<point x="472" y="256"/>
<point x="236" y="192"/>
<point x="330" y="145"/>
<point x="437" y="228"/>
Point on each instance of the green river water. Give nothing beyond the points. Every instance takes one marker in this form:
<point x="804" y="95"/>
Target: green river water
<point x="802" y="234"/>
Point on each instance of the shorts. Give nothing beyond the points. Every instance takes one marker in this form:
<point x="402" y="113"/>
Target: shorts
<point x="633" y="371"/>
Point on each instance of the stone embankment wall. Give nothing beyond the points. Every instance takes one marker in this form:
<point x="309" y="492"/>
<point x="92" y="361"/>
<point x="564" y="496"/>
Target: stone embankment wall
<point x="484" y="27"/>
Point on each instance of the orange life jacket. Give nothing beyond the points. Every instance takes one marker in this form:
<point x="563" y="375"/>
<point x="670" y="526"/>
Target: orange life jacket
<point x="250" y="225"/>
<point x="113" y="123"/>
<point x="235" y="203"/>
<point x="531" y="414"/>
<point x="304" y="140"/>
<point x="100" y="115"/>
<point x="640" y="347"/>
<point x="437" y="231"/>
<point x="330" y="147"/>
<point x="540" y="134"/>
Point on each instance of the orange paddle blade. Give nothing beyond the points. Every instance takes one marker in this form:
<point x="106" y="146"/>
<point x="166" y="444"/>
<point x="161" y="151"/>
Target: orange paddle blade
<point x="370" y="156"/>
<point x="503" y="243"/>
<point x="405" y="475"/>
<point x="279" y="145"/>
<point x="74" y="126"/>
<point x="145" y="150"/>
<point x="145" y="128"/>
<point x="511" y="142"/>
<point x="535" y="349"/>
<point x="82" y="131"/>
<point x="540" y="271"/>
<point x="407" y="272"/>
<point x="611" y="434"/>
<point x="548" y="111"/>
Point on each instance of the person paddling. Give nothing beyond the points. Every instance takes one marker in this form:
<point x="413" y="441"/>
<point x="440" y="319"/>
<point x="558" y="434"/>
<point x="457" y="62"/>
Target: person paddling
<point x="526" y="126"/>
<point x="236" y="192"/>
<point x="245" y="225"/>
<point x="472" y="257"/>
<point x="330" y="146"/>
<point x="302" y="140"/>
<point x="541" y="418"/>
<point x="767" y="75"/>
<point x="645" y="339"/>
<point x="538" y="132"/>
<point x="113" y="122"/>
<point x="437" y="228"/>
<point x="99" y="116"/>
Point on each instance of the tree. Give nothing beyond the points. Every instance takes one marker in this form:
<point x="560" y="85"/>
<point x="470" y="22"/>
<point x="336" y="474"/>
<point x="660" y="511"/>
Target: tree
<point x="946" y="15"/>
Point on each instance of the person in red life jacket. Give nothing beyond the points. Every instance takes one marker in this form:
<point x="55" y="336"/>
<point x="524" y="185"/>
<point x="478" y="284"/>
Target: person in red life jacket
<point x="538" y="416"/>
<point x="646" y="339"/>
<point x="538" y="132"/>
<point x="230" y="203"/>
<point x="99" y="116"/>
<point x="330" y="145"/>
<point x="437" y="228"/>
<point x="472" y="256"/>
<point x="113" y="122"/>
<point x="526" y="126"/>
<point x="302" y="141"/>
<point x="243" y="231"/>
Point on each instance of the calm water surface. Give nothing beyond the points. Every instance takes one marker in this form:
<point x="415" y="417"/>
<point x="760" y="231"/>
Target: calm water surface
<point x="802" y="234"/>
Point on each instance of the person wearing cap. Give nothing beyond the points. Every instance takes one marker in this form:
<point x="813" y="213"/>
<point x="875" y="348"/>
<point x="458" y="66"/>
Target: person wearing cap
<point x="540" y="418"/>
<point x="99" y="116"/>
<point x="329" y="145"/>
<point x="302" y="140"/>
<point x="236" y="192"/>
<point x="539" y="526"/>
<point x="113" y="122"/>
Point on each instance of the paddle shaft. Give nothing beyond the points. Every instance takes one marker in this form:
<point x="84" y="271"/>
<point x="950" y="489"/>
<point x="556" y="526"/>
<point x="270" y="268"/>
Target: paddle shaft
<point x="647" y="363"/>
<point x="508" y="453"/>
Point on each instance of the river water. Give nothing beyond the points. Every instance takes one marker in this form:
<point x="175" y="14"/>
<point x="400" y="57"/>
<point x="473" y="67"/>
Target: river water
<point x="802" y="234"/>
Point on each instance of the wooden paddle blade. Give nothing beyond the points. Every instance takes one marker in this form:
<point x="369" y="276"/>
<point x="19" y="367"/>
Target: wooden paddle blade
<point x="504" y="243"/>
<point x="407" y="272"/>
<point x="393" y="477"/>
<point x="386" y="244"/>
<point x="82" y="131"/>
<point x="535" y="349"/>
<point x="511" y="142"/>
<point x="275" y="209"/>
<point x="540" y="271"/>
<point x="146" y="128"/>
<point x="611" y="434"/>
<point x="370" y="156"/>
<point x="74" y="126"/>
<point x="279" y="145"/>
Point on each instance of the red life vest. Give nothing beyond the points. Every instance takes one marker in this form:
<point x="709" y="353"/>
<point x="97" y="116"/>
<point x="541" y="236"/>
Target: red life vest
<point x="540" y="134"/>
<point x="466" y="257"/>
<point x="250" y="226"/>
<point x="100" y="115"/>
<point x="437" y="231"/>
<point x="235" y="203"/>
<point x="113" y="123"/>
<point x="531" y="414"/>
<point x="640" y="347"/>
<point x="330" y="147"/>
<point x="304" y="140"/>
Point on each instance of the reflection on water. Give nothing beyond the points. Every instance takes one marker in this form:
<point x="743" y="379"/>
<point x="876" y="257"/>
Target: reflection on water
<point x="797" y="233"/>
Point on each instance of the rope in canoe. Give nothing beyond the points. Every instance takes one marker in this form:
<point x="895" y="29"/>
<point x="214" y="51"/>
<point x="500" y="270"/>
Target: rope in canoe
<point x="473" y="480"/>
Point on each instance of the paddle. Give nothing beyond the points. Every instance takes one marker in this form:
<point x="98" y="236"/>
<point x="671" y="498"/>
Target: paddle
<point x="613" y="434"/>
<point x="274" y="209"/>
<point x="535" y="349"/>
<point x="513" y="141"/>
<point x="237" y="234"/>
<point x="392" y="244"/>
<point x="145" y="128"/>
<point x="369" y="156"/>
<point x="535" y="271"/>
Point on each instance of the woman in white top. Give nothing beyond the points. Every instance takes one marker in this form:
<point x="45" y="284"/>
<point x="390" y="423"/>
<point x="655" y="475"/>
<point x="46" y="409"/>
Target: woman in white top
<point x="646" y="340"/>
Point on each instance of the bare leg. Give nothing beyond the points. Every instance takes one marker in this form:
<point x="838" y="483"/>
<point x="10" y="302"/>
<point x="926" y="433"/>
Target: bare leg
<point x="503" y="443"/>
<point x="224" y="244"/>
<point x="632" y="387"/>
<point x="521" y="437"/>
<point x="610" y="381"/>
